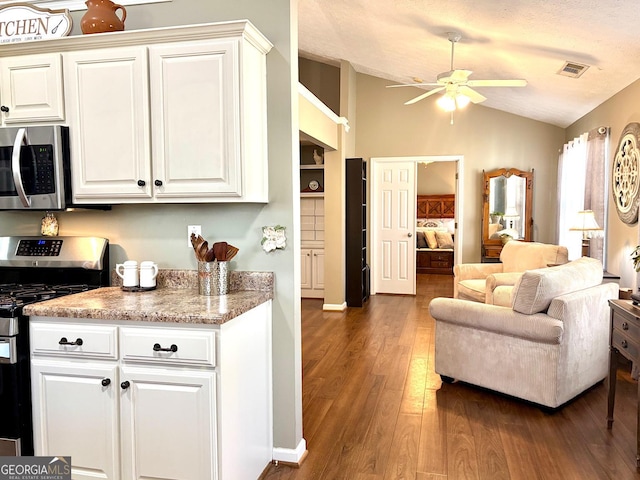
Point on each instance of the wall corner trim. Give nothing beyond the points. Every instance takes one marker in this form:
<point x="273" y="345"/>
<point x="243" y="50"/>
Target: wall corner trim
<point x="292" y="456"/>
<point x="333" y="307"/>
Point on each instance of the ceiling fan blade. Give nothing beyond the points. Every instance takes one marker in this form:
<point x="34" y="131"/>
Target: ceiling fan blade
<point x="424" y="95"/>
<point x="497" y="83"/>
<point x="474" y="96"/>
<point x="414" y="85"/>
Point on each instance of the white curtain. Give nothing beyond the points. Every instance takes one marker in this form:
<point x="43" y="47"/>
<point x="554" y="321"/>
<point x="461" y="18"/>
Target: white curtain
<point x="571" y="186"/>
<point x="582" y="185"/>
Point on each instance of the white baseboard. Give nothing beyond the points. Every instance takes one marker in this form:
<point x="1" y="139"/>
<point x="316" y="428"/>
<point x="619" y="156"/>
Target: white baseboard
<point x="334" y="307"/>
<point x="289" y="455"/>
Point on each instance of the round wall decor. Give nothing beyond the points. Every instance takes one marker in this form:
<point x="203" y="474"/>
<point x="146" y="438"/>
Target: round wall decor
<point x="624" y="178"/>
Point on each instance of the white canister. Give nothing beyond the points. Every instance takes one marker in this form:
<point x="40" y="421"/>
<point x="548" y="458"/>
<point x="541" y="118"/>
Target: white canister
<point x="128" y="271"/>
<point x="148" y="274"/>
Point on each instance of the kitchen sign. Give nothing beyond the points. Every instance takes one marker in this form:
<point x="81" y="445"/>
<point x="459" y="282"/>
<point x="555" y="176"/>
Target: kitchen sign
<point x="21" y="22"/>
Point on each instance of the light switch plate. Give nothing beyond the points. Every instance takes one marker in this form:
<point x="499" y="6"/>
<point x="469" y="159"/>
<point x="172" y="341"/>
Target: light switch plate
<point x="197" y="229"/>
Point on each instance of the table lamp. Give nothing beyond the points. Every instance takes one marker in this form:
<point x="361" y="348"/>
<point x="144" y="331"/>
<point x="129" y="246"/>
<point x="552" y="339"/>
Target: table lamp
<point x="586" y="223"/>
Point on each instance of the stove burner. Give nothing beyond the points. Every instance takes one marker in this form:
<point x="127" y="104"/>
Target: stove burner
<point x="13" y="295"/>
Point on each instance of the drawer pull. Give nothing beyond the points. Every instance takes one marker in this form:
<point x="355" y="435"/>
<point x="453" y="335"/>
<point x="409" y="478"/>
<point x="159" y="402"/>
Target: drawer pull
<point x="158" y="348"/>
<point x="64" y="341"/>
<point x="625" y="326"/>
<point x="106" y="382"/>
<point x="124" y="385"/>
<point x="624" y="344"/>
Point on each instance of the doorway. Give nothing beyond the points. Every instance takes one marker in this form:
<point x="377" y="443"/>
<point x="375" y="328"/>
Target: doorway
<point x="393" y="219"/>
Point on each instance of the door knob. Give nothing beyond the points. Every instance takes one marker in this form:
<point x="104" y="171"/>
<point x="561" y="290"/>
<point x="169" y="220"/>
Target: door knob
<point x="410" y="235"/>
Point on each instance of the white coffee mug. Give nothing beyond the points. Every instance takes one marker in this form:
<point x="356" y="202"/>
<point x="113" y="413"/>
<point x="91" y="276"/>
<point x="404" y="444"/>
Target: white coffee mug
<point x="128" y="271"/>
<point x="148" y="273"/>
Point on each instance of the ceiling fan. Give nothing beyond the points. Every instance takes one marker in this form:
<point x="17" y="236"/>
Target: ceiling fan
<point x="456" y="85"/>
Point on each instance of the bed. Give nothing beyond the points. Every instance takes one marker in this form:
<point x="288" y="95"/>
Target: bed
<point x="435" y="226"/>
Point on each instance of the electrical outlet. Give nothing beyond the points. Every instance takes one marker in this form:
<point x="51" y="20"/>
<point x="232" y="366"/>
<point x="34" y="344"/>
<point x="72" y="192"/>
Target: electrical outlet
<point x="197" y="229"/>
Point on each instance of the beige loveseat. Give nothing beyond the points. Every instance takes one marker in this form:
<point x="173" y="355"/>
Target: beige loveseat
<point x="493" y="283"/>
<point x="550" y="346"/>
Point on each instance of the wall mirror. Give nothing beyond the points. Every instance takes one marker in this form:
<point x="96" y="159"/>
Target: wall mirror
<point x="506" y="210"/>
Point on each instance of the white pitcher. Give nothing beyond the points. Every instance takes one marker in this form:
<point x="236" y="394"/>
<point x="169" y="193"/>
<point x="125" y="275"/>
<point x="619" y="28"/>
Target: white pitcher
<point x="148" y="274"/>
<point x="128" y="271"/>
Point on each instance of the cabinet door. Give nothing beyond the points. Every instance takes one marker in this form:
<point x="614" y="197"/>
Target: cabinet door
<point x="31" y="88"/>
<point x="196" y="125"/>
<point x="168" y="424"/>
<point x="318" y="269"/>
<point x="75" y="414"/>
<point x="305" y="269"/>
<point x="108" y="110"/>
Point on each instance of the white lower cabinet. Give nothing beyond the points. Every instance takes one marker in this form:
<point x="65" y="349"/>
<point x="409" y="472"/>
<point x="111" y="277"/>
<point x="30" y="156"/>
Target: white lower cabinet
<point x="129" y="401"/>
<point x="312" y="272"/>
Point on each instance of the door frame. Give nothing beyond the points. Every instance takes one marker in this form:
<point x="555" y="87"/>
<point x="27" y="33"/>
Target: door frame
<point x="459" y="181"/>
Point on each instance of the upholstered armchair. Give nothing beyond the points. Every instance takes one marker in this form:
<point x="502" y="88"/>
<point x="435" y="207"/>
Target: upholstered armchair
<point x="493" y="283"/>
<point x="550" y="346"/>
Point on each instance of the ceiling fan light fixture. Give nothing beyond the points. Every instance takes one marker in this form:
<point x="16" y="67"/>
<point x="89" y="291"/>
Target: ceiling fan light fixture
<point x="462" y="100"/>
<point x="447" y="103"/>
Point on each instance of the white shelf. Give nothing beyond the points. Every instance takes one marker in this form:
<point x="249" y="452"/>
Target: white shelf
<point x="312" y="167"/>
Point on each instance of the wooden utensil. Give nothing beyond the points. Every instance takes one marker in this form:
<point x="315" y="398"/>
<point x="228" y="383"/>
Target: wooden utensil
<point x="210" y="256"/>
<point x="231" y="252"/>
<point x="220" y="251"/>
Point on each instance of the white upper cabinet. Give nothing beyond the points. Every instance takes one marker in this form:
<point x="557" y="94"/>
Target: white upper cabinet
<point x="31" y="89"/>
<point x="166" y="115"/>
<point x="108" y="111"/>
<point x="195" y="119"/>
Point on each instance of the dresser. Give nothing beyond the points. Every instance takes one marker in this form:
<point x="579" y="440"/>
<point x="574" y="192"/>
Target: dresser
<point x="624" y="341"/>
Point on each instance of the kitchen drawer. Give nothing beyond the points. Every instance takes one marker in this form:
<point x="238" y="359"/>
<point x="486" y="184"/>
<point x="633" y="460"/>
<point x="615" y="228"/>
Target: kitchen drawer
<point x="168" y="346"/>
<point x="74" y="340"/>
<point x="627" y="347"/>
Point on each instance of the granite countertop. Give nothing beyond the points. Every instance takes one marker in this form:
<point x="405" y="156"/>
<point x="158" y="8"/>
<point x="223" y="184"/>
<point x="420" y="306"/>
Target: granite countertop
<point x="176" y="300"/>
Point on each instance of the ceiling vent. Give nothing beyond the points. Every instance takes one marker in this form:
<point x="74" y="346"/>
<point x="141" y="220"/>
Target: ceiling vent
<point x="572" y="69"/>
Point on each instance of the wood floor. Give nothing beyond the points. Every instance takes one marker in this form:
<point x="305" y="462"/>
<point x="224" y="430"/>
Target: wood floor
<point x="374" y="408"/>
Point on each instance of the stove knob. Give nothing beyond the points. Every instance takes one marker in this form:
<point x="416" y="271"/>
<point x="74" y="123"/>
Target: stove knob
<point x="106" y="382"/>
<point x="124" y="385"/>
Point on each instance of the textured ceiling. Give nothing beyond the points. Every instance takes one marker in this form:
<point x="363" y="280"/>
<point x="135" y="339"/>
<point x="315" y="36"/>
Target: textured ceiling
<point x="400" y="40"/>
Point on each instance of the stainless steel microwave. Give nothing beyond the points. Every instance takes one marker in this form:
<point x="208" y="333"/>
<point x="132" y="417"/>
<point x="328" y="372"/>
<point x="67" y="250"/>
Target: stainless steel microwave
<point x="34" y="168"/>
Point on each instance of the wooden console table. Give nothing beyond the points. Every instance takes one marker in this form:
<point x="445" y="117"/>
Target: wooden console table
<point x="624" y="340"/>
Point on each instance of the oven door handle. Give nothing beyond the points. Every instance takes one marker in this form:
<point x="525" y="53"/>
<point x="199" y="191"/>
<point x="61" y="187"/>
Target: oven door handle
<point x="21" y="138"/>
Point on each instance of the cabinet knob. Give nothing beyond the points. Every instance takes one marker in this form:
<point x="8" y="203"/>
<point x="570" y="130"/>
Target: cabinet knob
<point x="141" y="183"/>
<point x="106" y="382"/>
<point x="624" y="344"/>
<point x="124" y="385"/>
<point x="625" y="326"/>
<point x="158" y="183"/>
<point x="158" y="348"/>
<point x="4" y="108"/>
<point x="64" y="341"/>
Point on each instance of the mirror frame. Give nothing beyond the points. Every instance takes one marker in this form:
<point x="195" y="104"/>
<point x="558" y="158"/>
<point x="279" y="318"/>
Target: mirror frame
<point x="528" y="224"/>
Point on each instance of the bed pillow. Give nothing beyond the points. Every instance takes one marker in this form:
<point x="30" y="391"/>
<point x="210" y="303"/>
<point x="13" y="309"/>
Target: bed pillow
<point x="421" y="241"/>
<point x="430" y="235"/>
<point x="444" y="240"/>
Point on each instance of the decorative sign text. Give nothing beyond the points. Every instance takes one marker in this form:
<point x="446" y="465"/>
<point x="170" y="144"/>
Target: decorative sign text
<point x="21" y="22"/>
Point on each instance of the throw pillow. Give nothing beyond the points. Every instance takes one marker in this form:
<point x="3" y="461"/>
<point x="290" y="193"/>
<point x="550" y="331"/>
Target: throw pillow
<point x="444" y="240"/>
<point x="431" y="239"/>
<point x="421" y="242"/>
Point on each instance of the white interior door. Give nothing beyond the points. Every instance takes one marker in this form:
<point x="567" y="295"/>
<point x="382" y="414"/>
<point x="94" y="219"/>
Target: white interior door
<point x="394" y="216"/>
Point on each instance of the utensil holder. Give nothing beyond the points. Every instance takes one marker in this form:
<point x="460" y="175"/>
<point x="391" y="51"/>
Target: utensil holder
<point x="213" y="278"/>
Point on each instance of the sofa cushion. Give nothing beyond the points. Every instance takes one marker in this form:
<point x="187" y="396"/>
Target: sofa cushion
<point x="536" y="288"/>
<point x="472" y="289"/>
<point x="518" y="256"/>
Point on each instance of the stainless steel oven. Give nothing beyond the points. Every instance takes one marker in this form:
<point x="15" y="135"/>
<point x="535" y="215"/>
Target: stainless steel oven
<point x="34" y="269"/>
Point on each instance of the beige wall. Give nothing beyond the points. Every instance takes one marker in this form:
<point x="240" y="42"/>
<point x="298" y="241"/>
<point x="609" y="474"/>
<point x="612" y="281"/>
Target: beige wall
<point x="620" y="110"/>
<point x="487" y="139"/>
<point x="436" y="178"/>
<point x="150" y="232"/>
